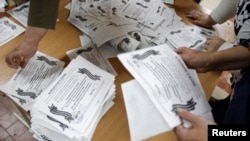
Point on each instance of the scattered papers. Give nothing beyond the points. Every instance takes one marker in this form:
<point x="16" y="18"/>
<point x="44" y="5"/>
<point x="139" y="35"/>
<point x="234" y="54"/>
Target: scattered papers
<point x="128" y="25"/>
<point x="92" y="54"/>
<point x="70" y="108"/>
<point x="167" y="81"/>
<point x="132" y="25"/>
<point x="28" y="83"/>
<point x="9" y="30"/>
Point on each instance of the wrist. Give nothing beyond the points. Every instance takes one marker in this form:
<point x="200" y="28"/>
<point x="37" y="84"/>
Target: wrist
<point x="211" y="61"/>
<point x="34" y="35"/>
<point x="211" y="21"/>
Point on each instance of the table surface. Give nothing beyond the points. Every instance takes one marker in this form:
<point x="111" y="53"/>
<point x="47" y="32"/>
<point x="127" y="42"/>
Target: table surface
<point x="114" y="124"/>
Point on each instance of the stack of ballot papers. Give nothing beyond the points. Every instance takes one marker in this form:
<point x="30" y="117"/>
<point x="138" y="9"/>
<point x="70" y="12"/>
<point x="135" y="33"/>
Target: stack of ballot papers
<point x="162" y="84"/>
<point x="71" y="107"/>
<point x="27" y="84"/>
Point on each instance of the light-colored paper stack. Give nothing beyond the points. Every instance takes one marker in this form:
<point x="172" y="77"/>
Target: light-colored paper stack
<point x="71" y="107"/>
<point x="27" y="84"/>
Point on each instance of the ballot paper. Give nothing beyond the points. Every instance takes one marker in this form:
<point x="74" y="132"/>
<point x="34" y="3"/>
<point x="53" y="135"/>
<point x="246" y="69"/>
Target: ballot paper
<point x="143" y="118"/>
<point x="167" y="81"/>
<point x="74" y="103"/>
<point x="28" y="83"/>
<point x="126" y="25"/>
<point x="20" y="13"/>
<point x="9" y="30"/>
<point x="142" y="113"/>
<point x="188" y="36"/>
<point x="92" y="54"/>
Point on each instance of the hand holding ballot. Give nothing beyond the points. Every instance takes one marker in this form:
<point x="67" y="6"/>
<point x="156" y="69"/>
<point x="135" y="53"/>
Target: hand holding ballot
<point x="168" y="83"/>
<point x="20" y="56"/>
<point x="198" y="130"/>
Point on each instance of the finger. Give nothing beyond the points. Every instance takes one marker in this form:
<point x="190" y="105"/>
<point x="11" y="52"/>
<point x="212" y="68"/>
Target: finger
<point x="208" y="42"/>
<point x="193" y="15"/>
<point x="180" y="50"/>
<point x="13" y="61"/>
<point x="181" y="132"/>
<point x="24" y="62"/>
<point x="12" y="65"/>
<point x="209" y="38"/>
<point x="187" y="115"/>
<point x="190" y="12"/>
<point x="178" y="129"/>
<point x="197" y="22"/>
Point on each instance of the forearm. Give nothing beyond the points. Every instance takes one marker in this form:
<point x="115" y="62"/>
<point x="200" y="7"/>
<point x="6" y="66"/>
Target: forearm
<point x="34" y="35"/>
<point x="237" y="57"/>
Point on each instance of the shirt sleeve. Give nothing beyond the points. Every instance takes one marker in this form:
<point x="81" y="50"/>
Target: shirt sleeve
<point x="225" y="10"/>
<point x="43" y="13"/>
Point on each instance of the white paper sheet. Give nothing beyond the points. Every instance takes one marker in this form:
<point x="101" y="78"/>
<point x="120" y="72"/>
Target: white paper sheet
<point x="20" y="13"/>
<point x="167" y="81"/>
<point x="9" y="30"/>
<point x="143" y="118"/>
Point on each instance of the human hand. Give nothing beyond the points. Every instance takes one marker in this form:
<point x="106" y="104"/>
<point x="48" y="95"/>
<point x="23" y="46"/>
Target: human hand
<point x="213" y="43"/>
<point x="195" y="59"/>
<point x="20" y="56"/>
<point x="200" y="18"/>
<point x="198" y="130"/>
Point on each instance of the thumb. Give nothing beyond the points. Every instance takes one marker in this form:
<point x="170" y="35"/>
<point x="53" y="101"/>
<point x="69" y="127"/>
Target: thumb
<point x="187" y="115"/>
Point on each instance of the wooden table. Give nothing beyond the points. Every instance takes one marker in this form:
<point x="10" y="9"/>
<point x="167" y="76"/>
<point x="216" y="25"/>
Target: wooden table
<point x="114" y="125"/>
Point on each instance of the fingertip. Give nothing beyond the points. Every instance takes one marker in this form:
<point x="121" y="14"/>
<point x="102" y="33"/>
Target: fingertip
<point x="180" y="111"/>
<point x="23" y="65"/>
<point x="177" y="128"/>
<point x="15" y="66"/>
